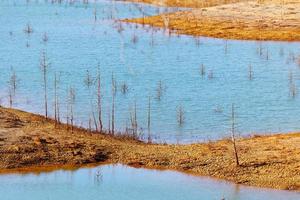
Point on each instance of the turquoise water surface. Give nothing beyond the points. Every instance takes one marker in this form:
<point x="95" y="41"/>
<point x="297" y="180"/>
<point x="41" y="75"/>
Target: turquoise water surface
<point x="117" y="182"/>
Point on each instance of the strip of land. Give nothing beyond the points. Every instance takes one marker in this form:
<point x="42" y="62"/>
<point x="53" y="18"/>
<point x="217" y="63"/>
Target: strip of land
<point x="29" y="142"/>
<point x="245" y="20"/>
<point x="187" y="3"/>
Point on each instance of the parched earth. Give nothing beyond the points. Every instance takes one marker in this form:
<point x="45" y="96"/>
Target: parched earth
<point x="232" y="19"/>
<point x="30" y="142"/>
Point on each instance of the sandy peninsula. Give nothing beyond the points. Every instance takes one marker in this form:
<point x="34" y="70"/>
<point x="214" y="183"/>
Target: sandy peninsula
<point x="29" y="142"/>
<point x="277" y="20"/>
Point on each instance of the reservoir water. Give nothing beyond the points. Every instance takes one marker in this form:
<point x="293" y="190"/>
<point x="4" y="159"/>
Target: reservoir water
<point x="114" y="182"/>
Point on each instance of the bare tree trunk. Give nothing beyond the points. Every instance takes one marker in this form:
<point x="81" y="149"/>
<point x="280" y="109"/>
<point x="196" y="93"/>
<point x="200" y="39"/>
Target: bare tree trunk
<point x="10" y="98"/>
<point x="109" y="130"/>
<point x="233" y="136"/>
<point x="113" y="116"/>
<point x="12" y="87"/>
<point x="90" y="124"/>
<point x="68" y="118"/>
<point x="58" y="111"/>
<point x="95" y="121"/>
<point x="180" y="115"/>
<point x="72" y="117"/>
<point x="71" y="103"/>
<point x="95" y="14"/>
<point x="135" y="120"/>
<point x="113" y="105"/>
<point x="55" y="98"/>
<point x="149" y="119"/>
<point x="44" y="67"/>
<point x="250" y="72"/>
<point x="99" y="102"/>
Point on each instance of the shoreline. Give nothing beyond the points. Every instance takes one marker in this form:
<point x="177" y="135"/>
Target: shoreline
<point x="29" y="143"/>
<point x="186" y="3"/>
<point x="241" y="20"/>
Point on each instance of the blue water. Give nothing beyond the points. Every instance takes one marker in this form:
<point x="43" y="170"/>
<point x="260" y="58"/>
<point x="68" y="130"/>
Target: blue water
<point x="77" y="43"/>
<point x="121" y="182"/>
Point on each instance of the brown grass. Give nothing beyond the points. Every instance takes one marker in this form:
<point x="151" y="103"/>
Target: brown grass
<point x="29" y="142"/>
<point x="248" y="20"/>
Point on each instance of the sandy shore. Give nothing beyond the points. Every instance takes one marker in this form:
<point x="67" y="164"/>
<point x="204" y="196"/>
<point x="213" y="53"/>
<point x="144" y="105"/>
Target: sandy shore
<point x="246" y="20"/>
<point x="28" y="142"/>
<point x="187" y="3"/>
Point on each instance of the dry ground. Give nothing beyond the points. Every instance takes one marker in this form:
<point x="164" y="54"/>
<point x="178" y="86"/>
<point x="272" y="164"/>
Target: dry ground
<point x="188" y="3"/>
<point x="28" y="142"/>
<point x="247" y="20"/>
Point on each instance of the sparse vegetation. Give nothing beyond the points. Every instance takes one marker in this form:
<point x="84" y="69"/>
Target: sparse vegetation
<point x="44" y="66"/>
<point x="259" y="155"/>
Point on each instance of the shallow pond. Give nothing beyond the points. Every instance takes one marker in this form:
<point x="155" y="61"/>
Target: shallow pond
<point x="147" y="62"/>
<point x="114" y="182"/>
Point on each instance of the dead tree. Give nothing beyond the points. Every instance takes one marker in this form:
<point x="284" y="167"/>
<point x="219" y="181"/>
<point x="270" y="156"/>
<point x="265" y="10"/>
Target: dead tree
<point x="202" y="70"/>
<point x="95" y="14"/>
<point x="99" y="102"/>
<point x="149" y="119"/>
<point x="233" y="136"/>
<point x="159" y="90"/>
<point x="133" y="120"/>
<point x="292" y="85"/>
<point x="124" y="88"/>
<point x="44" y="65"/>
<point x="56" y="100"/>
<point x="180" y="115"/>
<point x="113" y="88"/>
<point x="109" y="124"/>
<point x="12" y="87"/>
<point x="45" y="38"/>
<point x="71" y="102"/>
<point x="28" y="29"/>
<point x="89" y="81"/>
<point x="250" y="72"/>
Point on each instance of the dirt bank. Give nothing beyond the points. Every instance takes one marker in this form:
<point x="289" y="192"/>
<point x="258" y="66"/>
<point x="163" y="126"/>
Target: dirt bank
<point x="247" y="20"/>
<point x="29" y="141"/>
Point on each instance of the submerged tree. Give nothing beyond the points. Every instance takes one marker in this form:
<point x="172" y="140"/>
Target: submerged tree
<point x="292" y="85"/>
<point x="45" y="38"/>
<point x="202" y="70"/>
<point x="12" y="86"/>
<point x="28" y="29"/>
<point x="159" y="90"/>
<point x="124" y="88"/>
<point x="99" y="102"/>
<point x="89" y="82"/>
<point x="113" y="88"/>
<point x="149" y="119"/>
<point x="44" y="65"/>
<point x="133" y="120"/>
<point x="71" y="102"/>
<point x="250" y="72"/>
<point x="180" y="115"/>
<point x="56" y="99"/>
<point x="95" y="14"/>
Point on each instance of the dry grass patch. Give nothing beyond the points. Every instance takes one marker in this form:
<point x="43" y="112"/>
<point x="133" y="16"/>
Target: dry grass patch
<point x="267" y="20"/>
